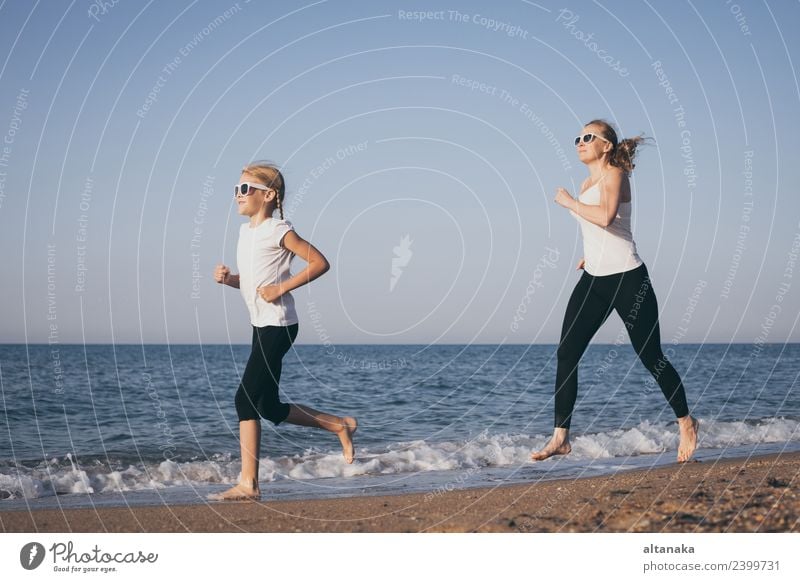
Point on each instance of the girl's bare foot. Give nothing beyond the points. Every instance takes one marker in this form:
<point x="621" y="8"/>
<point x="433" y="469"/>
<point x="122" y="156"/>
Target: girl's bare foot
<point x="558" y="445"/>
<point x="239" y="492"/>
<point x="345" y="435"/>
<point x="688" y="444"/>
<point x="551" y="450"/>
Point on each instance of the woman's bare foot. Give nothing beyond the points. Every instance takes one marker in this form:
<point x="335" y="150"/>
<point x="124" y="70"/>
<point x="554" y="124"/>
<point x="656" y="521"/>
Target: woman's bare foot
<point x="688" y="427"/>
<point x="345" y="435"/>
<point x="558" y="445"/>
<point x="239" y="492"/>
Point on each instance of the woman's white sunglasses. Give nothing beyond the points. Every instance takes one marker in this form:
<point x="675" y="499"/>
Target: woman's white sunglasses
<point x="246" y="189"/>
<point x="589" y="138"/>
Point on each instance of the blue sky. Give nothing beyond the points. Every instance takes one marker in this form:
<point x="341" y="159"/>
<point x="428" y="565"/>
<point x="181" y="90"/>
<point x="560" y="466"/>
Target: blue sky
<point x="125" y="126"/>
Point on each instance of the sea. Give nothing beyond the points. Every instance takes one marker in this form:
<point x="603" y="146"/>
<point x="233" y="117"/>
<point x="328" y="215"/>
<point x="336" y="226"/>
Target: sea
<point x="128" y="425"/>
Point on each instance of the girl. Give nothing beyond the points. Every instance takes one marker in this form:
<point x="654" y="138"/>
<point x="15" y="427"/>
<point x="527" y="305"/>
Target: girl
<point x="614" y="279"/>
<point x="265" y="250"/>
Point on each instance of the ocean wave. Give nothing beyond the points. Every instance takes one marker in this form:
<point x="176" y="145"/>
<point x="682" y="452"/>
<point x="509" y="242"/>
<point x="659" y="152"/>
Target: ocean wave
<point x="66" y="476"/>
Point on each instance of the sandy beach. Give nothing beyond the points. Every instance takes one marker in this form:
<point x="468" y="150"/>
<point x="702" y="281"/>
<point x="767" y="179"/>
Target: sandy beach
<point x="757" y="494"/>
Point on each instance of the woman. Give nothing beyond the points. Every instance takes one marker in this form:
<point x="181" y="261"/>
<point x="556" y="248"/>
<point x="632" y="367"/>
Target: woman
<point x="265" y="250"/>
<point x="614" y="279"/>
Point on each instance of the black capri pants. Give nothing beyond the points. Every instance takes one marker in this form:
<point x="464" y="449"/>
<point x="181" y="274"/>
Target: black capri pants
<point x="631" y="295"/>
<point x="257" y="396"/>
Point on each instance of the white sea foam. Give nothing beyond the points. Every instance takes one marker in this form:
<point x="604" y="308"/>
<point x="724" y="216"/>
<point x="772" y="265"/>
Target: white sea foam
<point x="485" y="450"/>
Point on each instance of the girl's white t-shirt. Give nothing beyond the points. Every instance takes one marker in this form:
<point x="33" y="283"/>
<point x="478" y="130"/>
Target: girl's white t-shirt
<point x="262" y="260"/>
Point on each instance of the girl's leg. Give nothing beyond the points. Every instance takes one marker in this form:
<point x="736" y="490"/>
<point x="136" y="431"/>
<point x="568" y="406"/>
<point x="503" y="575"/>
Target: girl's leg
<point x="262" y="390"/>
<point x="260" y="396"/>
<point x="250" y="445"/>
<point x="274" y="343"/>
<point x="586" y="312"/>
<point x="257" y="397"/>
<point x="637" y="306"/>
<point x="344" y="427"/>
<point x="249" y="427"/>
<point x="250" y="441"/>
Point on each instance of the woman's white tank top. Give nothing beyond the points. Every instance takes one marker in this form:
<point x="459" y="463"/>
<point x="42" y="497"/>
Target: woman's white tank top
<point x="609" y="250"/>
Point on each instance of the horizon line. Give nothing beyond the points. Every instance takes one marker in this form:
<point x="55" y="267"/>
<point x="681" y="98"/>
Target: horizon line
<point x="373" y="344"/>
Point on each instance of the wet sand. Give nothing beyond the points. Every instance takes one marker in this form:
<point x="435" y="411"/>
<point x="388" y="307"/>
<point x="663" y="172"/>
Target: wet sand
<point x="757" y="494"/>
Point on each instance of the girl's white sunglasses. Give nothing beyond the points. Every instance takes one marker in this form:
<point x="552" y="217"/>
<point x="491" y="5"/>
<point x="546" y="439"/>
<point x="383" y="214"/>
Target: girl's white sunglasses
<point x="246" y="189"/>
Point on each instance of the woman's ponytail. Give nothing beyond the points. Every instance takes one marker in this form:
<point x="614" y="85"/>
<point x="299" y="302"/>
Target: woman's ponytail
<point x="623" y="152"/>
<point x="623" y="155"/>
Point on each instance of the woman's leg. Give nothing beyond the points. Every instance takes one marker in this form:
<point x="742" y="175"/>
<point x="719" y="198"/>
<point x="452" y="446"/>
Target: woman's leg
<point x="637" y="305"/>
<point x="586" y="312"/>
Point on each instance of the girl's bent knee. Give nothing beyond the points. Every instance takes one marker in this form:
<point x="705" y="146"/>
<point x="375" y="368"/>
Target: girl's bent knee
<point x="244" y="407"/>
<point x="276" y="413"/>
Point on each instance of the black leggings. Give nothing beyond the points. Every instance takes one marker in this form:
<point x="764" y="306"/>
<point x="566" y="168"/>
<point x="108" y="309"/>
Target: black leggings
<point x="594" y="298"/>
<point x="257" y="395"/>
